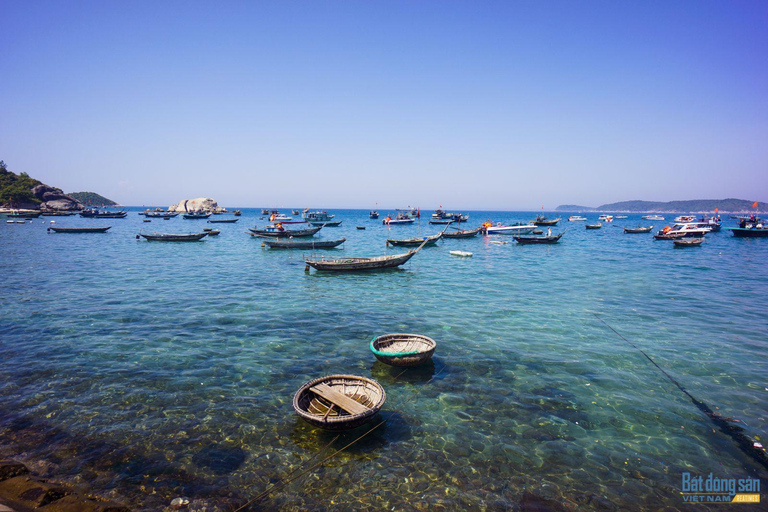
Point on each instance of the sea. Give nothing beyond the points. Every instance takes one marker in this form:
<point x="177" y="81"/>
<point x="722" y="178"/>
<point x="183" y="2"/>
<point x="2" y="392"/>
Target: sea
<point x="145" y="371"/>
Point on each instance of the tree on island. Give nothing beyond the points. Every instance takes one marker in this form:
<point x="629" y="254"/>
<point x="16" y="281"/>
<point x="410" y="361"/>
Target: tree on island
<point x="15" y="189"/>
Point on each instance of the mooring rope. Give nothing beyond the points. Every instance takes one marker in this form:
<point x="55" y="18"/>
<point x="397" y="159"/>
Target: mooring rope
<point x="290" y="479"/>
<point x="747" y="445"/>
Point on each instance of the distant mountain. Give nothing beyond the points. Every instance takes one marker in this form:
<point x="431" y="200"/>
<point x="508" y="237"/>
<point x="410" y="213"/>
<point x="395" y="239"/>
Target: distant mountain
<point x="695" y="205"/>
<point x="91" y="199"/>
<point x="574" y="208"/>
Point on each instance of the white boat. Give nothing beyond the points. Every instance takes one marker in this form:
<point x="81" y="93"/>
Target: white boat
<point x="463" y="254"/>
<point x="605" y="218"/>
<point x="620" y="217"/>
<point x="686" y="229"/>
<point x="684" y="219"/>
<point x="281" y="217"/>
<point x="653" y="217"/>
<point x="574" y="218"/>
<point x="515" y="229"/>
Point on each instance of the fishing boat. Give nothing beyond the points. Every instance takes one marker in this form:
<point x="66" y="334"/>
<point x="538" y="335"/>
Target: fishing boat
<point x="339" y="402"/>
<point x="400" y="218"/>
<point x="196" y="215"/>
<point x="265" y="211"/>
<point x="597" y="225"/>
<point x="78" y="230"/>
<point x="605" y="218"/>
<point x="750" y="227"/>
<point x="462" y="233"/>
<point x="641" y="229"/>
<point x="539" y="239"/>
<point x="652" y="217"/>
<point x="24" y="215"/>
<point x="295" y="212"/>
<point x="163" y="215"/>
<point x="713" y="222"/>
<point x="173" y="237"/>
<point x="223" y="221"/>
<point x="414" y="242"/>
<point x="684" y="219"/>
<point x="373" y="214"/>
<point x="99" y="214"/>
<point x="576" y="218"/>
<point x="329" y="224"/>
<point x="277" y="243"/>
<point x="355" y="264"/>
<point x="403" y="349"/>
<point x="542" y="220"/>
<point x="237" y="213"/>
<point x="511" y="229"/>
<point x="277" y="230"/>
<point x="688" y="242"/>
<point x="56" y="213"/>
<point x="212" y="232"/>
<point x="280" y="217"/>
<point x="360" y="227"/>
<point x="443" y="217"/>
<point x="318" y="216"/>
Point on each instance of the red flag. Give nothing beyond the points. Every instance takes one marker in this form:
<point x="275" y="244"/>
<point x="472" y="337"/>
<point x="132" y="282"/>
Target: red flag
<point x="754" y="205"/>
<point x="715" y="210"/>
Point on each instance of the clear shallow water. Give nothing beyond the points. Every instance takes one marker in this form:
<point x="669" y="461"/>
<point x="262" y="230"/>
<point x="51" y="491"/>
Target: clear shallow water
<point x="148" y="371"/>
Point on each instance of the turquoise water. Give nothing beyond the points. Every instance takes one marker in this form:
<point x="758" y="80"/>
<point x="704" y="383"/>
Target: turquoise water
<point x="147" y="371"/>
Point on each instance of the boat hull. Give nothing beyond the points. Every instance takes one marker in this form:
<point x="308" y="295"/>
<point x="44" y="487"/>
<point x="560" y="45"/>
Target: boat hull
<point x="285" y="234"/>
<point x="173" y="237"/>
<point x="355" y="264"/>
<point x="79" y="230"/>
<point x="750" y="232"/>
<point x="291" y="244"/>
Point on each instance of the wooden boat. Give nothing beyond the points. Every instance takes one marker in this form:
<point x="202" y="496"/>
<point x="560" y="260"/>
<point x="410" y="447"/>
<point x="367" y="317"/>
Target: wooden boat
<point x="274" y="231"/>
<point x="400" y="218"/>
<point x="223" y="221"/>
<point x="415" y="242"/>
<point x="24" y="215"/>
<point x="193" y="215"/>
<point x="403" y="349"/>
<point x="753" y="232"/>
<point x="360" y="227"/>
<point x="331" y="224"/>
<point x="172" y="237"/>
<point x="237" y="213"/>
<point x="162" y="214"/>
<point x="55" y="213"/>
<point x="97" y="214"/>
<point x="594" y="226"/>
<point x="638" y="230"/>
<point x="355" y="264"/>
<point x="79" y="230"/>
<point x="541" y="220"/>
<point x="539" y="239"/>
<point x="339" y="402"/>
<point x="212" y="232"/>
<point x="277" y="243"/>
<point x="688" y="242"/>
<point x="373" y="214"/>
<point x="463" y="254"/>
<point x="462" y="233"/>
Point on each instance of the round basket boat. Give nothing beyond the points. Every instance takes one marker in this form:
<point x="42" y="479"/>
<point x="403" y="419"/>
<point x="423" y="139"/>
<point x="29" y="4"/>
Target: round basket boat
<point x="403" y="349"/>
<point x="339" y="402"/>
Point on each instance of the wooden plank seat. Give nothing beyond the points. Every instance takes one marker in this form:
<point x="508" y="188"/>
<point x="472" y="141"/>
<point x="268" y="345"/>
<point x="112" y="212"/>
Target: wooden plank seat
<point x="339" y="399"/>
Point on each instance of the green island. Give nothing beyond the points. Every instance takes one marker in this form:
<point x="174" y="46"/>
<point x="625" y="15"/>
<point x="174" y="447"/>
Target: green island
<point x="91" y="199"/>
<point x="695" y="205"/>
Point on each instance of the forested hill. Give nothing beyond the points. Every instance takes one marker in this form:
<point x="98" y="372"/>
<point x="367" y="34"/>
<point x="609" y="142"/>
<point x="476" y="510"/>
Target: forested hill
<point x="91" y="199"/>
<point x="695" y="205"/>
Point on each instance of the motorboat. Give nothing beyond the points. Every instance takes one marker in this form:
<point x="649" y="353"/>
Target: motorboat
<point x="605" y="218"/>
<point x="400" y="218"/>
<point x="653" y="217"/>
<point x="502" y="229"/>
<point x="682" y="230"/>
<point x="685" y="219"/>
<point x="576" y="218"/>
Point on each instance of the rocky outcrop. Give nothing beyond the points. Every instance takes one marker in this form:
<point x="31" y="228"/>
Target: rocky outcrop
<point x="195" y="205"/>
<point x="54" y="199"/>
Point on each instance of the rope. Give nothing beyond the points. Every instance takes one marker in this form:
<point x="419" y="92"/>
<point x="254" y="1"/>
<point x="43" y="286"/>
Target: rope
<point x="285" y="481"/>
<point x="744" y="442"/>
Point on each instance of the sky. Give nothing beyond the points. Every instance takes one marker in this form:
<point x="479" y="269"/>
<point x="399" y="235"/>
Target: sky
<point x="476" y="104"/>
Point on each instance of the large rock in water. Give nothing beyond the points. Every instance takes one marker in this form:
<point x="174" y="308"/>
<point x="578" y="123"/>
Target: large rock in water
<point x="194" y="205"/>
<point x="54" y="199"/>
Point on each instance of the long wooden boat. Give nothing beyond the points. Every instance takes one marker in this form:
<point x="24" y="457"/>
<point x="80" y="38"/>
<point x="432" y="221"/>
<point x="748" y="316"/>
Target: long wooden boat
<point x="403" y="349"/>
<point x="415" y="242"/>
<point x="172" y="237"/>
<point x="24" y="215"/>
<point x="55" y="213"/>
<point x="754" y="232"/>
<point x="339" y="402"/>
<point x="541" y="220"/>
<point x="223" y="221"/>
<point x="277" y="243"/>
<point x="594" y="226"/>
<point x="96" y="214"/>
<point x="78" y="230"/>
<point x="327" y="223"/>
<point x="688" y="242"/>
<point x="354" y="264"/>
<point x="539" y="239"/>
<point x="285" y="233"/>
<point x="638" y="230"/>
<point x="193" y="216"/>
<point x="462" y="233"/>
<point x="159" y="214"/>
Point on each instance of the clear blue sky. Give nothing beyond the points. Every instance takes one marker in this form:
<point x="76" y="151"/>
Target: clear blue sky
<point x="469" y="104"/>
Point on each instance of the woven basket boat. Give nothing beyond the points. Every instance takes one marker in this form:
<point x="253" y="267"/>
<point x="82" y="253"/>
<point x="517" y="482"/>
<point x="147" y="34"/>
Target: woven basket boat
<point x="339" y="402"/>
<point x="403" y="349"/>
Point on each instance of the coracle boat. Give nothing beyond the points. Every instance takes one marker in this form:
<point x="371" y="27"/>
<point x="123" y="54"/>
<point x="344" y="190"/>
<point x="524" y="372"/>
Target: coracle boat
<point x="302" y="244"/>
<point x="355" y="264"/>
<point x="403" y="349"/>
<point x="280" y="232"/>
<point x="172" y="237"/>
<point x="78" y="230"/>
<point x="539" y="239"/>
<point x="223" y="221"/>
<point x="339" y="402"/>
<point x="638" y="230"/>
<point x="594" y="226"/>
<point x="462" y="233"/>
<point x="688" y="242"/>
